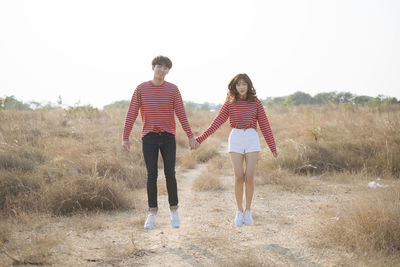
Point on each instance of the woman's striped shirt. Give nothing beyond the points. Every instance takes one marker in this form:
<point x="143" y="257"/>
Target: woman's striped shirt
<point x="243" y="114"/>
<point x="157" y="105"/>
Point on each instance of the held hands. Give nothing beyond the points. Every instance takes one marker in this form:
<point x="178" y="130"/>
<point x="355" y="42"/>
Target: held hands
<point x="193" y="143"/>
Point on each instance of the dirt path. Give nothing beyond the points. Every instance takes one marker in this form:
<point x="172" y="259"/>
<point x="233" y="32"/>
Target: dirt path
<point x="207" y="236"/>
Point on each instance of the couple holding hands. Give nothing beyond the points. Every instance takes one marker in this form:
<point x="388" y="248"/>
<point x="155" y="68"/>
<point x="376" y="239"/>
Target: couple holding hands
<point x="158" y="102"/>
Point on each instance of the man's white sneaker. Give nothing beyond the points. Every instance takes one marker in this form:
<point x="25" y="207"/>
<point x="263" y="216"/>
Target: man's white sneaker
<point x="239" y="218"/>
<point x="248" y="219"/>
<point x="174" y="218"/>
<point x="151" y="218"/>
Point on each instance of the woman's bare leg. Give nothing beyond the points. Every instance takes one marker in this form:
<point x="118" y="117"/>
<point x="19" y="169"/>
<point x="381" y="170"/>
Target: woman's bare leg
<point x="251" y="161"/>
<point x="237" y="163"/>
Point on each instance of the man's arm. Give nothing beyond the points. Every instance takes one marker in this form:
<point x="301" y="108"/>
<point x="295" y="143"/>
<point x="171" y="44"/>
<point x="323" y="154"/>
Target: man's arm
<point x="181" y="114"/>
<point x="130" y="119"/>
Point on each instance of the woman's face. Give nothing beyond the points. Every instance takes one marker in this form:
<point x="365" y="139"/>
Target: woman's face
<point x="242" y="88"/>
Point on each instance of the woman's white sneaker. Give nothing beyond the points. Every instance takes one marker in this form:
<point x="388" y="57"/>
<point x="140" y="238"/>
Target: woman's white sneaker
<point x="239" y="218"/>
<point x="151" y="218"/>
<point x="248" y="219"/>
<point x="175" y="219"/>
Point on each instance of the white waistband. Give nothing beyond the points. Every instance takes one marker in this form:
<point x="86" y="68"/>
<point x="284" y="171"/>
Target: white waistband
<point x="243" y="130"/>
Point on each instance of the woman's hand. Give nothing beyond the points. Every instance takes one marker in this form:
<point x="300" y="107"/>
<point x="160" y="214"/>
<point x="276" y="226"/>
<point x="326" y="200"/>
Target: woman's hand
<point x="126" y="146"/>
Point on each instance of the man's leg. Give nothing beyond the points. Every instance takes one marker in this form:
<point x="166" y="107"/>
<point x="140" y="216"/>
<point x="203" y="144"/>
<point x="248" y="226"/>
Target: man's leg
<point x="150" y="153"/>
<point x="168" y="152"/>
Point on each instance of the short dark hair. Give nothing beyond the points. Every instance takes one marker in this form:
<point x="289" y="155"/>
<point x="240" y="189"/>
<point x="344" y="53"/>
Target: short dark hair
<point x="161" y="60"/>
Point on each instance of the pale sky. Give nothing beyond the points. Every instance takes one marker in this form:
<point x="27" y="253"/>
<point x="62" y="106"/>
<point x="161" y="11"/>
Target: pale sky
<point x="97" y="52"/>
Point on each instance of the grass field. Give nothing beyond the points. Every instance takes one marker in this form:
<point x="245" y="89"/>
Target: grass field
<point x="58" y="164"/>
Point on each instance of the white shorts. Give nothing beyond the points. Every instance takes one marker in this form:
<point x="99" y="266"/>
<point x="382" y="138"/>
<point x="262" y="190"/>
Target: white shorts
<point x="243" y="141"/>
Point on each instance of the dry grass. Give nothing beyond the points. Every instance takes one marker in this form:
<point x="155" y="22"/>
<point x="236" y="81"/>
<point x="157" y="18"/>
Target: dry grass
<point x="5" y="232"/>
<point x="369" y="223"/>
<point x="284" y="179"/>
<point x="40" y="151"/>
<point x="49" y="146"/>
<point x="28" y="242"/>
<point x="138" y="220"/>
<point x="46" y="147"/>
<point x="249" y="259"/>
<point x="53" y="162"/>
<point x="323" y="139"/>
<point x="270" y="172"/>
<point x="162" y="185"/>
<point x="220" y="164"/>
<point x="116" y="253"/>
<point x="19" y="192"/>
<point x="83" y="221"/>
<point x="206" y="151"/>
<point x="371" y="259"/>
<point x="87" y="194"/>
<point x="22" y="158"/>
<point x="227" y="250"/>
<point x="187" y="160"/>
<point x="208" y="181"/>
<point x="33" y="250"/>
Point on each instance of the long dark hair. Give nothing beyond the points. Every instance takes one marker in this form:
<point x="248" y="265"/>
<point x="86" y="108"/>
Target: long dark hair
<point x="233" y="93"/>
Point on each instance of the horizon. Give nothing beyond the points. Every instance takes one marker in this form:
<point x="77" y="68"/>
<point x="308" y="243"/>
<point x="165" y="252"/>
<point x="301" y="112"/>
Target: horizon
<point x="62" y="105"/>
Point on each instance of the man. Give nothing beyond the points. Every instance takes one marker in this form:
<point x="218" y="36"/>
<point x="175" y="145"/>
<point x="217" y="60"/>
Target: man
<point x="158" y="101"/>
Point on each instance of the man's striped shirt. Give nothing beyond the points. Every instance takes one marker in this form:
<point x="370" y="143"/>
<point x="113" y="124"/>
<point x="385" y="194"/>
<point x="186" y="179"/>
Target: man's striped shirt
<point x="242" y="114"/>
<point x="157" y="105"/>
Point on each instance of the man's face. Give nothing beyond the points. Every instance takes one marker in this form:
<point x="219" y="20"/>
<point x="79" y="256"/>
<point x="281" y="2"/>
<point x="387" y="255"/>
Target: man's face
<point x="160" y="71"/>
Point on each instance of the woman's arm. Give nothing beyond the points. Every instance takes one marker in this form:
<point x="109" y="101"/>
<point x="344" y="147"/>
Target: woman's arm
<point x="220" y="119"/>
<point x="265" y="128"/>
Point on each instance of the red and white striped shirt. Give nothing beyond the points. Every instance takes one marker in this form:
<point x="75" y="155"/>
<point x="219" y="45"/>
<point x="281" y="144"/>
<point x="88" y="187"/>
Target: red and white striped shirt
<point x="243" y="114"/>
<point x="157" y="105"/>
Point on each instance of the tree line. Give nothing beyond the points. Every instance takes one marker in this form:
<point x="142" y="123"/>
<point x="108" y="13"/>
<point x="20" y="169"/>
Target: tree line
<point x="301" y="98"/>
<point x="296" y="99"/>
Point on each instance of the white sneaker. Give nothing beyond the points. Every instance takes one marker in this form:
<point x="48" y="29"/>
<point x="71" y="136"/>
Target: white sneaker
<point x="239" y="218"/>
<point x="174" y="218"/>
<point x="247" y="217"/>
<point x="151" y="218"/>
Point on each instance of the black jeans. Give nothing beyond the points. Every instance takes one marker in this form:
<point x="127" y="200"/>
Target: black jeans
<point x="165" y="143"/>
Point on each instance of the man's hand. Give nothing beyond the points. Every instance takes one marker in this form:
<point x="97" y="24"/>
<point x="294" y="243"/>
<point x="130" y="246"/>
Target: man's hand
<point x="126" y="146"/>
<point x="193" y="143"/>
<point x="275" y="154"/>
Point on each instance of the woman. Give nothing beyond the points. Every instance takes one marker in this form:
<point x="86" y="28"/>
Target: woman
<point x="244" y="110"/>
